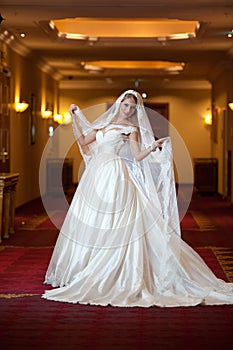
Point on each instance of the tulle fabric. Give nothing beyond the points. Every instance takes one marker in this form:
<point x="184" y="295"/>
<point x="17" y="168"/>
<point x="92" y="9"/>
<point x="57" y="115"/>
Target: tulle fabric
<point x="115" y="248"/>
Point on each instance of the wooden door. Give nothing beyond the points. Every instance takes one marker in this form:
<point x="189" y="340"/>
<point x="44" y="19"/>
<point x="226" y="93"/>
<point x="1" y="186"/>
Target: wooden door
<point x="159" y="122"/>
<point x="4" y="123"/>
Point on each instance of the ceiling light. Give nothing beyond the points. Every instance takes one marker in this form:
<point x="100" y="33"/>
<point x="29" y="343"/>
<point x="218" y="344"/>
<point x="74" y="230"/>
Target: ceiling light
<point x="52" y="25"/>
<point x="92" y="67"/>
<point x="72" y="36"/>
<point x="230" y="34"/>
<point x="180" y="36"/>
<point x="84" y="28"/>
<point x="175" y="68"/>
<point x="157" y="65"/>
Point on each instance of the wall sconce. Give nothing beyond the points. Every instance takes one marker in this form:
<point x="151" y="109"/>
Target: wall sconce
<point x="58" y="118"/>
<point x="46" y="114"/>
<point x="230" y="104"/>
<point x="21" y="106"/>
<point x="208" y="119"/>
<point x="63" y="119"/>
<point x="66" y="119"/>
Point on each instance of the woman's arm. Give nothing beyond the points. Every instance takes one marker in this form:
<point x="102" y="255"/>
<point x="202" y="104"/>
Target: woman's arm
<point x="89" y="138"/>
<point x="135" y="148"/>
<point x="83" y="140"/>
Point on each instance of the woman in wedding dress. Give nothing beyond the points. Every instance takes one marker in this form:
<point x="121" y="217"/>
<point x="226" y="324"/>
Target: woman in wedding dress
<point x="120" y="242"/>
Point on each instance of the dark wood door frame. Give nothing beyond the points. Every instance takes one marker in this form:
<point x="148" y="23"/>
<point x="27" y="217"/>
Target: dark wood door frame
<point x="4" y="123"/>
<point x="160" y="120"/>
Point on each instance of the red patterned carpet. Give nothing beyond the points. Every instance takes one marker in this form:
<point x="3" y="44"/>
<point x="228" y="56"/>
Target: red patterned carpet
<point x="29" y="322"/>
<point x="22" y="268"/>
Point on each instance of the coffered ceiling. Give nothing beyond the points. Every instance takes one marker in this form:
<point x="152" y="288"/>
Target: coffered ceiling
<point x="122" y="44"/>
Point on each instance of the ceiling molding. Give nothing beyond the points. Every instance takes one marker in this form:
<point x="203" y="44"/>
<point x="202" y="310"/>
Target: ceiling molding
<point x="61" y="58"/>
<point x="164" y="84"/>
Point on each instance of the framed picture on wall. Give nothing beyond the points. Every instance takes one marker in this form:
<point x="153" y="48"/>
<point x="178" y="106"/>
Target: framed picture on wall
<point x="32" y="120"/>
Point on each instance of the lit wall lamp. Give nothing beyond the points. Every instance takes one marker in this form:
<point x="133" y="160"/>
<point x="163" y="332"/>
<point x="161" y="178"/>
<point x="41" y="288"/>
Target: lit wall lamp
<point x="21" y="106"/>
<point x="58" y="118"/>
<point x="63" y="119"/>
<point x="208" y="119"/>
<point x="46" y="114"/>
<point x="208" y="116"/>
<point x="47" y="110"/>
<point x="66" y="119"/>
<point x="230" y="104"/>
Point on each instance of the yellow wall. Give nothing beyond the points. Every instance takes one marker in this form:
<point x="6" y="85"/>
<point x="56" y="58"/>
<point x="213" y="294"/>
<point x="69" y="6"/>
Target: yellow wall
<point x="26" y="79"/>
<point x="187" y="108"/>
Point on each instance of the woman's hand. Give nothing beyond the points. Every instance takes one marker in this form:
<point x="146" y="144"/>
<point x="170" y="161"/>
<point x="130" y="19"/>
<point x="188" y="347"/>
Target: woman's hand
<point x="73" y="108"/>
<point x="157" y="144"/>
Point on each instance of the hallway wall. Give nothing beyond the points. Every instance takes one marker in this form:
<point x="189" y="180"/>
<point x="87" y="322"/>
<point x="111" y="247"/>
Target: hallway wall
<point x="27" y="79"/>
<point x="187" y="108"/>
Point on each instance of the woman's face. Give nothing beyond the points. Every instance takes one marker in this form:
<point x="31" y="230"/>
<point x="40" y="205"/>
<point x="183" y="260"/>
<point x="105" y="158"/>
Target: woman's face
<point x="127" y="108"/>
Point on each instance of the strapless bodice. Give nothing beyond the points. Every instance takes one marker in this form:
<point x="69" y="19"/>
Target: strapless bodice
<point x="113" y="138"/>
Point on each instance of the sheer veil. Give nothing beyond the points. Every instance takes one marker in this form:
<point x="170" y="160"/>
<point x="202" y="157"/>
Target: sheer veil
<point x="154" y="175"/>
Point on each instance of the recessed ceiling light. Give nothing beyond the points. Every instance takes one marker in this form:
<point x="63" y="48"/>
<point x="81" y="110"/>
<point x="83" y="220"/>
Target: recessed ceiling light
<point x="84" y="28"/>
<point x="22" y="35"/>
<point x="157" y="65"/>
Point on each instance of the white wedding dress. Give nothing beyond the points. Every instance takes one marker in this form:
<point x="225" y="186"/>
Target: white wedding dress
<point x="112" y="249"/>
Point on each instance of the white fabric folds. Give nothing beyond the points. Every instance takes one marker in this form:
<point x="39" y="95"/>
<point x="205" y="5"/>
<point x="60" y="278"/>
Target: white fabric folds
<point x="120" y="243"/>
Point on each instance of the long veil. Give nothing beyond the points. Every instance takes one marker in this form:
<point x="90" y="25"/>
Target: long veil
<point x="154" y="174"/>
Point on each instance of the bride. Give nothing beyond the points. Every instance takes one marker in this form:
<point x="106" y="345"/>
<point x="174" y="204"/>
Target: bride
<point x="120" y="242"/>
